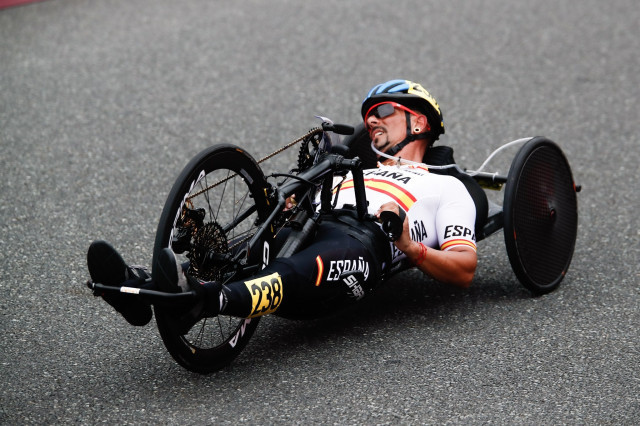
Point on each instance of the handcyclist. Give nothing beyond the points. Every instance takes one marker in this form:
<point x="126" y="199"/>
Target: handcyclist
<point x="345" y="259"/>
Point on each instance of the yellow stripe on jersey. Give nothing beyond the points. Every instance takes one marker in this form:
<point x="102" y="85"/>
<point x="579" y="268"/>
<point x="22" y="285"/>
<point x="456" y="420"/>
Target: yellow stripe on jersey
<point x="399" y="194"/>
<point x="458" y="242"/>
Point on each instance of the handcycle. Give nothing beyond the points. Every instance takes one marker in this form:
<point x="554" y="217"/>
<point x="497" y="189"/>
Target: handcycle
<point x="223" y="216"/>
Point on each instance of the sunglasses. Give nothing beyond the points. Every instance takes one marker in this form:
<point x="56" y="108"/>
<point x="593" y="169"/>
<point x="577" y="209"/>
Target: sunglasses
<point x="385" y="109"/>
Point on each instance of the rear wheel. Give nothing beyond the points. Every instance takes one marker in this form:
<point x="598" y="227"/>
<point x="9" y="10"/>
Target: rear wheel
<point x="213" y="209"/>
<point x="540" y="215"/>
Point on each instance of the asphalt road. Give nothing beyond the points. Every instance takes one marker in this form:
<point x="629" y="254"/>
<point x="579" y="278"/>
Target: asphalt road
<point x="102" y="103"/>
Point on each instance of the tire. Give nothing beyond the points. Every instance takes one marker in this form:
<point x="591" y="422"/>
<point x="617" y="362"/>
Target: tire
<point x="212" y="343"/>
<point x="540" y="215"/>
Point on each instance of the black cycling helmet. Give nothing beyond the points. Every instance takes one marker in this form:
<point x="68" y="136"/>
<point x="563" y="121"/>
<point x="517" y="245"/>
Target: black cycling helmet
<point x="413" y="96"/>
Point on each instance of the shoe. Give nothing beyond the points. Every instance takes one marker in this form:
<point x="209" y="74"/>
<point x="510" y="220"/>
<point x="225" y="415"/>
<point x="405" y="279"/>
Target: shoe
<point x="170" y="277"/>
<point x="107" y="267"/>
<point x="168" y="273"/>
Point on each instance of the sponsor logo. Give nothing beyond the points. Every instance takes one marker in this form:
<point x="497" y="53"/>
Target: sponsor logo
<point x="389" y="174"/>
<point x="265" y="254"/>
<point x="234" y="341"/>
<point x="201" y="175"/>
<point x="418" y="231"/>
<point x="458" y="231"/>
<point x="337" y="267"/>
<point x="354" y="286"/>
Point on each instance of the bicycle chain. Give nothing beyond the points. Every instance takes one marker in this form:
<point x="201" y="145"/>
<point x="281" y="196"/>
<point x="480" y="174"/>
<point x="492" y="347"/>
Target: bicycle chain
<point x="313" y="132"/>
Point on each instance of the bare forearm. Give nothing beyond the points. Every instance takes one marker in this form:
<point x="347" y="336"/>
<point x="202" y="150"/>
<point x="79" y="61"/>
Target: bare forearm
<point x="456" y="266"/>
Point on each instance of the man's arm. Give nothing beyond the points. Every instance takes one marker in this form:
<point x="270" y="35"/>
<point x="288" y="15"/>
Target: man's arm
<point x="454" y="266"/>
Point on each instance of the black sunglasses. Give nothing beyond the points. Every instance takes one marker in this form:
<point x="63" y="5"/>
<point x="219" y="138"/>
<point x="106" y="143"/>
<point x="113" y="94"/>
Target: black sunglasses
<point x="385" y="109"/>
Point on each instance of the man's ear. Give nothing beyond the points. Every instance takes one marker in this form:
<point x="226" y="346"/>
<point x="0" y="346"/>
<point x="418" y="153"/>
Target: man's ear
<point x="421" y="124"/>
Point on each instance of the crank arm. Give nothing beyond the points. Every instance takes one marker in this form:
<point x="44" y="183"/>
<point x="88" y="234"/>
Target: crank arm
<point x="150" y="296"/>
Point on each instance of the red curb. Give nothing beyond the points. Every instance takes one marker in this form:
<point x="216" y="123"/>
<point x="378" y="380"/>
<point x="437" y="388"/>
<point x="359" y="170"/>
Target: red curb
<point x="4" y="4"/>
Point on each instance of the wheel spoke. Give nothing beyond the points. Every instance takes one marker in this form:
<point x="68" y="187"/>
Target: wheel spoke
<point x="215" y="244"/>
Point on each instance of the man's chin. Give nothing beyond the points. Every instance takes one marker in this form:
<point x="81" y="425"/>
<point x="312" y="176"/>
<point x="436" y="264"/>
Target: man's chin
<point x="381" y="144"/>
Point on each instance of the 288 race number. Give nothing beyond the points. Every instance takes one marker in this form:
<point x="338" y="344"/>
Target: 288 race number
<point x="266" y="294"/>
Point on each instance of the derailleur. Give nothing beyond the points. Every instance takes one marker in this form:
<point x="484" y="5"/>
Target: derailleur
<point x="192" y="220"/>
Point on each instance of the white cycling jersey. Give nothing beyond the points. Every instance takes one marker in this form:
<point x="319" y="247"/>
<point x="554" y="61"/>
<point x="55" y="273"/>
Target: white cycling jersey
<point x="441" y="212"/>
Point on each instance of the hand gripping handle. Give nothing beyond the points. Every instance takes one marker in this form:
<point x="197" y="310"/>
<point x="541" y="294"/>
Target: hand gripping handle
<point x="392" y="223"/>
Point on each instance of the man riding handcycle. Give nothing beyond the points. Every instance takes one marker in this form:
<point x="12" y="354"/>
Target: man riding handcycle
<point x="322" y="239"/>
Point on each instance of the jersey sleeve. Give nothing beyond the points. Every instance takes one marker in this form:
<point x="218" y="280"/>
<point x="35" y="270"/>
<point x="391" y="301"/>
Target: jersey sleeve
<point x="456" y="217"/>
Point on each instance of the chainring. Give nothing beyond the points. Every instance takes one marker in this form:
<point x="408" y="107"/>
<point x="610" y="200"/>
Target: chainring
<point x="308" y="150"/>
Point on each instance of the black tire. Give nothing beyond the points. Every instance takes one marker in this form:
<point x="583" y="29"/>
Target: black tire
<point x="212" y="343"/>
<point x="540" y="215"/>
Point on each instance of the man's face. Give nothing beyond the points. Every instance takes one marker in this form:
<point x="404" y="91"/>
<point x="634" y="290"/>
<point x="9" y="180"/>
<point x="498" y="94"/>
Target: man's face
<point x="389" y="130"/>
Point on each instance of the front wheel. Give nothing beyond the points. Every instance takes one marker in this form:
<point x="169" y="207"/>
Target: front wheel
<point x="540" y="215"/>
<point x="211" y="213"/>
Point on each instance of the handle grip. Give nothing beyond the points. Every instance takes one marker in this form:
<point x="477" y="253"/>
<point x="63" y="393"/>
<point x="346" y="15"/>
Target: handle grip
<point x="392" y="223"/>
<point x="341" y="129"/>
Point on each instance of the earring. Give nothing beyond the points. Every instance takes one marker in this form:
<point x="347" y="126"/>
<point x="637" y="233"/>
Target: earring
<point x="417" y="130"/>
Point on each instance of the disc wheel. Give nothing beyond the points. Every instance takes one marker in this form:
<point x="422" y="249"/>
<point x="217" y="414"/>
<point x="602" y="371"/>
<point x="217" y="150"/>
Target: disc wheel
<point x="540" y="215"/>
<point x="212" y="211"/>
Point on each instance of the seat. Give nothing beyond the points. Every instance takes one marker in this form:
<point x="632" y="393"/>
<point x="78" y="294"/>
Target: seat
<point x="442" y="155"/>
<point x="359" y="144"/>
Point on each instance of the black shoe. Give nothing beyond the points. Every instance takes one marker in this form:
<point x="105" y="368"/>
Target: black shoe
<point x="107" y="267"/>
<point x="169" y="277"/>
<point x="168" y="273"/>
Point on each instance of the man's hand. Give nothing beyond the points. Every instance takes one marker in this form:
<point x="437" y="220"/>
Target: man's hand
<point x="403" y="239"/>
<point x="290" y="202"/>
<point x="455" y="266"/>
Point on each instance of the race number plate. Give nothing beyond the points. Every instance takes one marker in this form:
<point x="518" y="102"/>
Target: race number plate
<point x="266" y="294"/>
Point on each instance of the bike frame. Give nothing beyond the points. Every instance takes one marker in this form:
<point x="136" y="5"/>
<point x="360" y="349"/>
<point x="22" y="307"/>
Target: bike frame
<point x="330" y="160"/>
<point x="320" y="174"/>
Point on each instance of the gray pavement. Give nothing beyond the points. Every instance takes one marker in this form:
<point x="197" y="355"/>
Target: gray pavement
<point x="102" y="103"/>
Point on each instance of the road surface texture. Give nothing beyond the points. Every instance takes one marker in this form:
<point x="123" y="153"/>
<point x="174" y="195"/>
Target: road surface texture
<point x="102" y="104"/>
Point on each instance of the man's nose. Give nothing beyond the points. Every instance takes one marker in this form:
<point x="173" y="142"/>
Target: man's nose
<point x="371" y="121"/>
